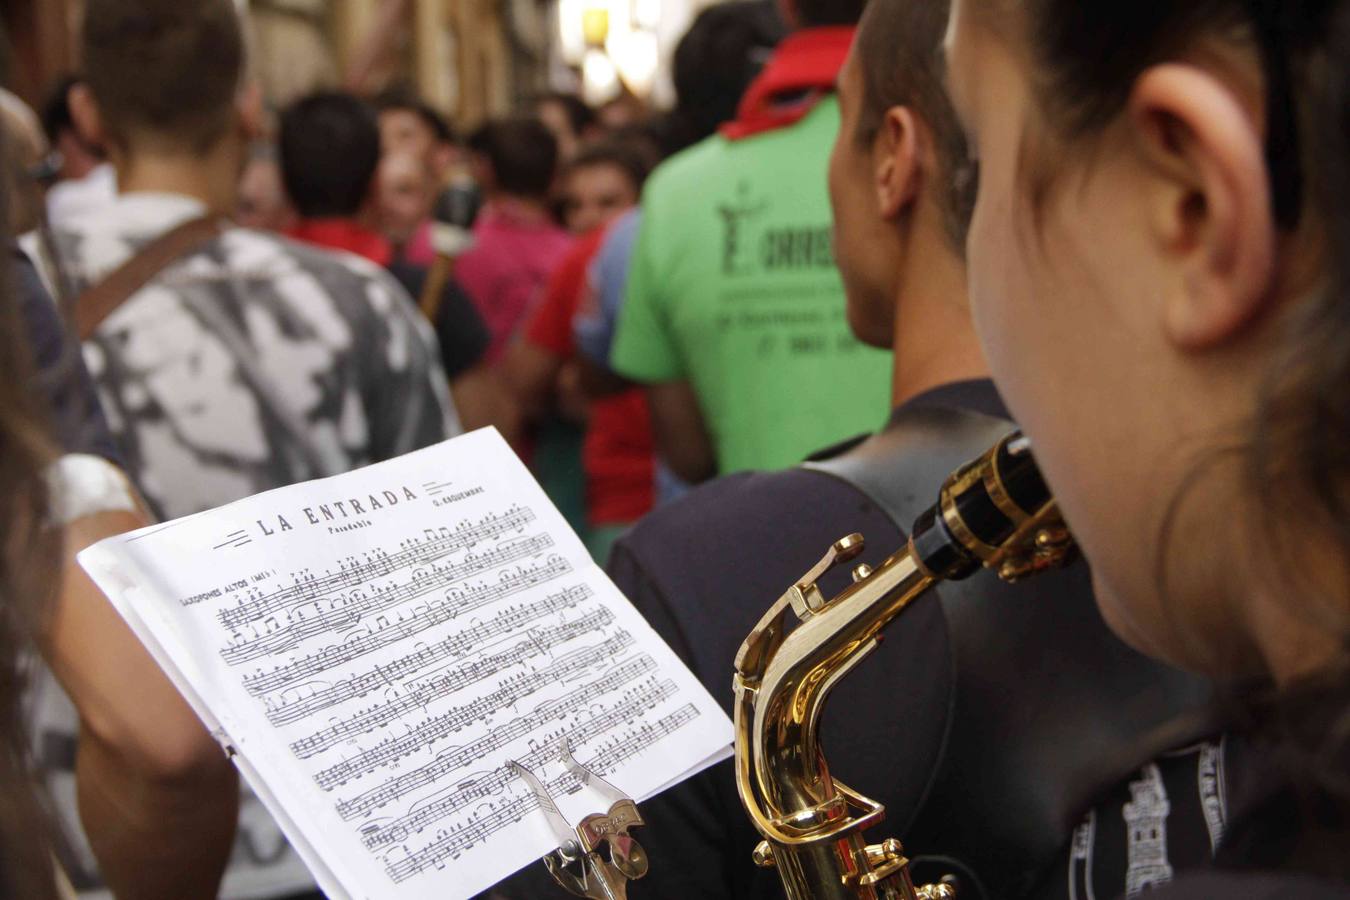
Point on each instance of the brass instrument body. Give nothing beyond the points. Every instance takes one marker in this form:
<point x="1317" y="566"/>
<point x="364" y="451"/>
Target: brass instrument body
<point x="813" y="825"/>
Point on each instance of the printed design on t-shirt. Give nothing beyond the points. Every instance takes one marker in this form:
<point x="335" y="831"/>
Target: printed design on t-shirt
<point x="1148" y="829"/>
<point x="1146" y="833"/>
<point x="1080" y="859"/>
<point x="1213" y="791"/>
<point x="779" y="246"/>
<point x="736" y="215"/>
<point x="196" y="373"/>
<point x="251" y="365"/>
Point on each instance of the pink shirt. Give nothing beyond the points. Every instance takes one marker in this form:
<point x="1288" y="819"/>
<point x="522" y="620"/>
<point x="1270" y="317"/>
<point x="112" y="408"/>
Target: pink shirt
<point x="419" y="251"/>
<point x="507" y="267"/>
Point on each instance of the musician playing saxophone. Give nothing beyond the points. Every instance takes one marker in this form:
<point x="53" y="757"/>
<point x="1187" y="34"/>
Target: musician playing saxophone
<point x="919" y="725"/>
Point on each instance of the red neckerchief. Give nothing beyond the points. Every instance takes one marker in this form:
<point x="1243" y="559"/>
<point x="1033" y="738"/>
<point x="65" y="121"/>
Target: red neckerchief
<point x="344" y="234"/>
<point x="802" y="70"/>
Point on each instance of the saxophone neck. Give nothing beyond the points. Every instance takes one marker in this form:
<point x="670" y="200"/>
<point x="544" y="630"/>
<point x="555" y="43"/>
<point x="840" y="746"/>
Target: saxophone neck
<point x="784" y="679"/>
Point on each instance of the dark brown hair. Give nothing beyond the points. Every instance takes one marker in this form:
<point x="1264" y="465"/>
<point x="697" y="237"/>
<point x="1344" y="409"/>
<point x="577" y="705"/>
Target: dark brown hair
<point x="899" y="48"/>
<point x="624" y="156"/>
<point x="168" y="68"/>
<point x="1089" y="55"/>
<point x="27" y="572"/>
<point x="522" y="153"/>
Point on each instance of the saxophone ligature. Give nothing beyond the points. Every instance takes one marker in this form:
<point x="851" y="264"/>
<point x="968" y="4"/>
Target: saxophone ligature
<point x="995" y="513"/>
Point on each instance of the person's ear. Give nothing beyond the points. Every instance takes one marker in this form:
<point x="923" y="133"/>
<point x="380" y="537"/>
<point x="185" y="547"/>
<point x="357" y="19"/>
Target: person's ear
<point x="896" y="154"/>
<point x="250" y="111"/>
<point x="1209" y="201"/>
<point x="86" y="116"/>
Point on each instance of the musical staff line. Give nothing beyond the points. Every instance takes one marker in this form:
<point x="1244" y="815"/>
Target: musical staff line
<point x="455" y="758"/>
<point x="289" y="637"/>
<point x="447" y="723"/>
<point x="532" y="643"/>
<point x="453" y="842"/>
<point x="506" y="621"/>
<point x="412" y="553"/>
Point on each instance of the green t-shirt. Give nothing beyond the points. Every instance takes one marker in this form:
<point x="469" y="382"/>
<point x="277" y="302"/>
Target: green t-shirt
<point x="733" y="288"/>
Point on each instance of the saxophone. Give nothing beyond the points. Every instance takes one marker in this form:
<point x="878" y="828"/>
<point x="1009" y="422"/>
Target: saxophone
<point x="994" y="513"/>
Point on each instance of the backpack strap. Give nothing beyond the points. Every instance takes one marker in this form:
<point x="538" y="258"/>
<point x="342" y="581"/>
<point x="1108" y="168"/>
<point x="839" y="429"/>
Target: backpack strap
<point x="1036" y="731"/>
<point x="99" y="301"/>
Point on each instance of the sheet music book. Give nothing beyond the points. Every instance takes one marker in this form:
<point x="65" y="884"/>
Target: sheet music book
<point x="374" y="648"/>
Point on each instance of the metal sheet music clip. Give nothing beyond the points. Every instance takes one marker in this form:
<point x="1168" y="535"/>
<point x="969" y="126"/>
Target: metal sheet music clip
<point x="597" y="858"/>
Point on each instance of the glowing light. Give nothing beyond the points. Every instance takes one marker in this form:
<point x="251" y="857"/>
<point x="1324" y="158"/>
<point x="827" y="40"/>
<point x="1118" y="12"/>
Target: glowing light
<point x="637" y="57"/>
<point x="595" y="26"/>
<point x="571" y="36"/>
<point x="599" y="78"/>
<point x="647" y="14"/>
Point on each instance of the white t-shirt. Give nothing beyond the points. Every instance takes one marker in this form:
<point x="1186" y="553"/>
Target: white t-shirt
<point x="253" y="363"/>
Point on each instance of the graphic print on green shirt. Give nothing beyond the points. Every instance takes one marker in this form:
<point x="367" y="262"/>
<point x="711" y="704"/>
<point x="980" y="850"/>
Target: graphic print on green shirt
<point x="733" y="287"/>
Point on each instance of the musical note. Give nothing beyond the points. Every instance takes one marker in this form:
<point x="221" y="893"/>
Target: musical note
<point x="334" y="616"/>
<point x="451" y="673"/>
<point x="457" y="757"/>
<point x="466" y="835"/>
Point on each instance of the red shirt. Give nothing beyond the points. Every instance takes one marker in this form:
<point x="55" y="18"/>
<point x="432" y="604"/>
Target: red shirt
<point x="344" y="234"/>
<point x="619" y="452"/>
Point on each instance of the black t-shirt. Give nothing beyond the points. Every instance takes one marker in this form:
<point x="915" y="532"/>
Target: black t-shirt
<point x="1289" y="835"/>
<point x="463" y="334"/>
<point x="1234" y="886"/>
<point x="704" y="570"/>
<point x="76" y="416"/>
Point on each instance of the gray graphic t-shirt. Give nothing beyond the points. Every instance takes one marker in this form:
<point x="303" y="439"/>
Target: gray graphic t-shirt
<point x="251" y="364"/>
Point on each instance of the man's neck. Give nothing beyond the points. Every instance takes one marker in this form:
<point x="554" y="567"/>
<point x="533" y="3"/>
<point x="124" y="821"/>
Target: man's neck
<point x="935" y="341"/>
<point x="212" y="178"/>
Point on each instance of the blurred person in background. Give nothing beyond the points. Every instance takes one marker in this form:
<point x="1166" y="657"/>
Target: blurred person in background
<point x="140" y="771"/>
<point x="262" y="202"/>
<point x="542" y="367"/>
<point x="85" y="181"/>
<point x="29" y="556"/>
<point x="233" y="361"/>
<point x="410" y="127"/>
<point x="330" y="154"/>
<point x="735" y="313"/>
<point x="570" y="120"/>
<point x="23" y="149"/>
<point x="720" y="55"/>
<point x="517" y="244"/>
<point x="329" y="144"/>
<point x="723" y="51"/>
<point x="404" y="195"/>
<point x="601" y="181"/>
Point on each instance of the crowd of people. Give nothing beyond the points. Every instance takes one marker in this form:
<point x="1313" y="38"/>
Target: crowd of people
<point x="870" y="235"/>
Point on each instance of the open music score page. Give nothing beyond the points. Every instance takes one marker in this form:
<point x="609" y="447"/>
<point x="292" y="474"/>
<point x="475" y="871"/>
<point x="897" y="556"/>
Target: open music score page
<point x="375" y="647"/>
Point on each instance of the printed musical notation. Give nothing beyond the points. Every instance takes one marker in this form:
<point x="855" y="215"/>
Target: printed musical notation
<point x="367" y="713"/>
<point x="380" y="675"/>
